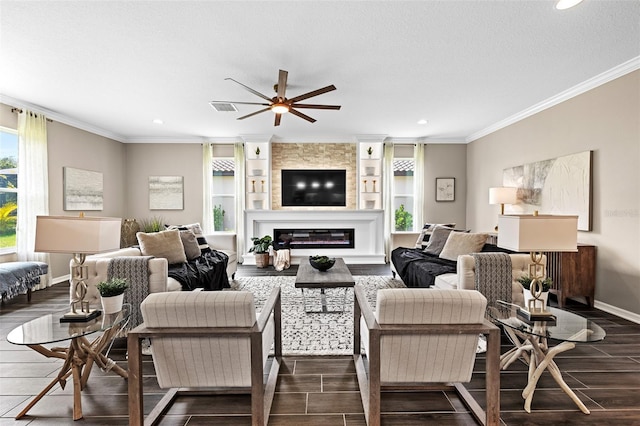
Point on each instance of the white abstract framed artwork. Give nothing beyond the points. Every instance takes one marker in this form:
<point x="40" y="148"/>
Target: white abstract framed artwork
<point x="559" y="186"/>
<point x="83" y="189"/>
<point x="166" y="193"/>
<point x="445" y="189"/>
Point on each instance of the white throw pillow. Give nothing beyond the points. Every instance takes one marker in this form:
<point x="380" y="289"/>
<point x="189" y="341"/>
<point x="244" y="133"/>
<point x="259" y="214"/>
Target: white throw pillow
<point x="460" y="243"/>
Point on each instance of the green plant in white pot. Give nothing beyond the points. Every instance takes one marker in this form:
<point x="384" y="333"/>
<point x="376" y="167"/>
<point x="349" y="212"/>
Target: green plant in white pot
<point x="546" y="283"/>
<point x="112" y="294"/>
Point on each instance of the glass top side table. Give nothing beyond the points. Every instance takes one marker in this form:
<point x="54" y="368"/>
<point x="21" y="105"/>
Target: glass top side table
<point x="530" y="343"/>
<point x="81" y="353"/>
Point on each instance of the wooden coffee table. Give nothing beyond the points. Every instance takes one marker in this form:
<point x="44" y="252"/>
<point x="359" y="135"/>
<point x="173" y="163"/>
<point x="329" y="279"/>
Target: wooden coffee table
<point x="337" y="277"/>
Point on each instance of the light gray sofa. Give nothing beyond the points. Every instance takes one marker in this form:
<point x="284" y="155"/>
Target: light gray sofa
<point x="159" y="281"/>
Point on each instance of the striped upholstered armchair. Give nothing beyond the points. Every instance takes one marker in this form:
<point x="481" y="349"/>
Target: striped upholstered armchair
<point x="420" y="337"/>
<point x="203" y="340"/>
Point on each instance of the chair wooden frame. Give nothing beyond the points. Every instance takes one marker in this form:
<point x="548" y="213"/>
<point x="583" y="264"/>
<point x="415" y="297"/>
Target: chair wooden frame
<point x="371" y="386"/>
<point x="262" y="392"/>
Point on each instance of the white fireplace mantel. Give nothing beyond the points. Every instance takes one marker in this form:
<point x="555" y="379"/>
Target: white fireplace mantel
<point x="367" y="224"/>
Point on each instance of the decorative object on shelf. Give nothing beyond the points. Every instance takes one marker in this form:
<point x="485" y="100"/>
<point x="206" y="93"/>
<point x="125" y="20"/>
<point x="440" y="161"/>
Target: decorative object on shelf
<point x="369" y="204"/>
<point x="537" y="234"/>
<point x="80" y="236"/>
<point x="322" y="263"/>
<point x="253" y="185"/>
<point x="370" y="151"/>
<point x="258" y="152"/>
<point x="369" y="171"/>
<point x="365" y="186"/>
<point x="565" y="186"/>
<point x="83" y="189"/>
<point x="502" y="196"/>
<point x="262" y="186"/>
<point x="128" y="233"/>
<point x="112" y="294"/>
<point x="260" y="250"/>
<point x="257" y="172"/>
<point x="445" y="189"/>
<point x="374" y="185"/>
<point x="258" y="204"/>
<point x="166" y="193"/>
<point x="546" y="283"/>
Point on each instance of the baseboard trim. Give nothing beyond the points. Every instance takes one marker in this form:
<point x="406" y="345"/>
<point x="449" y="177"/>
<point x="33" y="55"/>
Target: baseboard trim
<point x="622" y="313"/>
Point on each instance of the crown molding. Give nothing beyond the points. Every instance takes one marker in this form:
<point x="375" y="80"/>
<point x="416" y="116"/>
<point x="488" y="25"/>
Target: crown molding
<point x="61" y="118"/>
<point x="607" y="76"/>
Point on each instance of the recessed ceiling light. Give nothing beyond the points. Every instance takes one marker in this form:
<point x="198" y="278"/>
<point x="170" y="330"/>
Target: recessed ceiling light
<point x="566" y="4"/>
<point x="158" y="121"/>
<point x="423" y="121"/>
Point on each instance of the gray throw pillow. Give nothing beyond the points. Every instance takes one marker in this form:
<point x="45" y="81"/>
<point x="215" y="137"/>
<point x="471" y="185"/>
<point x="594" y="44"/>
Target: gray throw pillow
<point x="190" y="243"/>
<point x="438" y="239"/>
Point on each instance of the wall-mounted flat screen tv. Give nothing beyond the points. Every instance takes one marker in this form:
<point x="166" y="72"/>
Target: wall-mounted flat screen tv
<point x="304" y="187"/>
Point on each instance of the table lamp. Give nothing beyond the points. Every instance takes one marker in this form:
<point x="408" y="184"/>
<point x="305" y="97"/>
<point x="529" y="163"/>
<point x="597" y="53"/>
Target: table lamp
<point x="77" y="235"/>
<point x="502" y="196"/>
<point x="536" y="234"/>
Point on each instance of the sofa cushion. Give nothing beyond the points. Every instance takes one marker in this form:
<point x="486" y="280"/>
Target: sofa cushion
<point x="190" y="244"/>
<point x="427" y="231"/>
<point x="459" y="243"/>
<point x="166" y="244"/>
<point x="197" y="231"/>
<point x="438" y="239"/>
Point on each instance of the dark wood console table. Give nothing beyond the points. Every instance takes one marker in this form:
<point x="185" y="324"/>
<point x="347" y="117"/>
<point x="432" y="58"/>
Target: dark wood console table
<point x="573" y="273"/>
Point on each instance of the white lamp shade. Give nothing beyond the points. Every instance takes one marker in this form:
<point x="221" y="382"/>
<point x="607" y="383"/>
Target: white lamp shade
<point x="82" y="235"/>
<point x="538" y="233"/>
<point x="503" y="195"/>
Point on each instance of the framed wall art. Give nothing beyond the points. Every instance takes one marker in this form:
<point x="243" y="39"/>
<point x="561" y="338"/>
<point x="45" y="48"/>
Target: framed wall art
<point x="559" y="185"/>
<point x="83" y="189"/>
<point x="445" y="189"/>
<point x="166" y="193"/>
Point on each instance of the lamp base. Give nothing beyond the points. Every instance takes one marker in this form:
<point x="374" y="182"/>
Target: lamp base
<point x="80" y="316"/>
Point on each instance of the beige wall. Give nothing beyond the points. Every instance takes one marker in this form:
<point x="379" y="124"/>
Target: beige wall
<point x="144" y="160"/>
<point x="446" y="160"/>
<point x="72" y="147"/>
<point x="605" y="120"/>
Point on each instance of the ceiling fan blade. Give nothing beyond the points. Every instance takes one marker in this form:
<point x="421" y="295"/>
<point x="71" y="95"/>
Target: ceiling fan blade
<point x="316" y="106"/>
<point x="277" y="121"/>
<point x="239" y="103"/>
<point x="301" y="115"/>
<point x="282" y="83"/>
<point x="254" y="113"/>
<point x="312" y="94"/>
<point x="255" y="92"/>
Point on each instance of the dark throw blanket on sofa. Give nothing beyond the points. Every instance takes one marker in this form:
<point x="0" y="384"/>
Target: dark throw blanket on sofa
<point x="418" y="269"/>
<point x="209" y="271"/>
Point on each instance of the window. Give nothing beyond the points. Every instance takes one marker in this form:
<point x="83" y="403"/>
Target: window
<point x="224" y="203"/>
<point x="403" y="198"/>
<point x="8" y="189"/>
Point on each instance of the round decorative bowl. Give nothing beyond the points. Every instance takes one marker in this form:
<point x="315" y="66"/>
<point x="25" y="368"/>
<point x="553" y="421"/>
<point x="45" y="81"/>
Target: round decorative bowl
<point x="321" y="263"/>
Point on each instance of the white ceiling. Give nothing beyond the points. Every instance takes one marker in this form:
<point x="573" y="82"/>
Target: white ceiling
<point x="114" y="67"/>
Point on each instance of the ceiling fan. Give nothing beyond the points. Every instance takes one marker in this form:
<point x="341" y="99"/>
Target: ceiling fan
<point x="279" y="104"/>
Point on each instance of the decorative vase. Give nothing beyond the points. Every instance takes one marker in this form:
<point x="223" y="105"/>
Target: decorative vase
<point x="544" y="297"/>
<point x="113" y="304"/>
<point x="128" y="233"/>
<point x="369" y="204"/>
<point x="258" y="204"/>
<point x="369" y="171"/>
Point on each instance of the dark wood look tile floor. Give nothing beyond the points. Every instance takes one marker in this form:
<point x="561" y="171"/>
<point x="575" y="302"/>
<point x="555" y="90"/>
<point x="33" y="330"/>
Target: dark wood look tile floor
<point x="323" y="390"/>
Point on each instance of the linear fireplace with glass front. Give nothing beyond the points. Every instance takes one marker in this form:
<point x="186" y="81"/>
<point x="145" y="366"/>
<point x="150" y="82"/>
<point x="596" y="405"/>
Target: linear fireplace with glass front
<point x="314" y="238"/>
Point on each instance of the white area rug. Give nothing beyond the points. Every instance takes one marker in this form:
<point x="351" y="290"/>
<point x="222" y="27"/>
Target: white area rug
<point x="315" y="333"/>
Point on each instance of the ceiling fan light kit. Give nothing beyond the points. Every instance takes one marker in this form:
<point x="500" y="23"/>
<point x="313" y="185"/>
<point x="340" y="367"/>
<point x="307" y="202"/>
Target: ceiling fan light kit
<point x="279" y="104"/>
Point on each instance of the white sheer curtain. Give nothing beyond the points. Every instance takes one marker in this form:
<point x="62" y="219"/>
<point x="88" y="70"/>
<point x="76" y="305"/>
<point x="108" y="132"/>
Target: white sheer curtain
<point x="387" y="196"/>
<point x="33" y="186"/>
<point x="207" y="188"/>
<point x="418" y="186"/>
<point x="238" y="154"/>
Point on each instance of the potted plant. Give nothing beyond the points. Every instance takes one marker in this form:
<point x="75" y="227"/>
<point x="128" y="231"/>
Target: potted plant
<point x="112" y="294"/>
<point x="258" y="152"/>
<point x="370" y="151"/>
<point x="525" y="281"/>
<point x="260" y="250"/>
